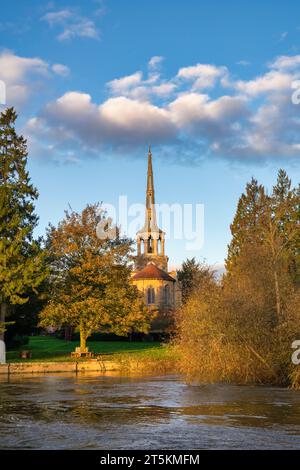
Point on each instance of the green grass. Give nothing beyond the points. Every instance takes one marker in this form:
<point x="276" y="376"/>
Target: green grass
<point x="46" y="348"/>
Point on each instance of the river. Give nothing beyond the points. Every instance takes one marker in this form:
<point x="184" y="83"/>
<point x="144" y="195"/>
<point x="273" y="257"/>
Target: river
<point x="89" y="411"/>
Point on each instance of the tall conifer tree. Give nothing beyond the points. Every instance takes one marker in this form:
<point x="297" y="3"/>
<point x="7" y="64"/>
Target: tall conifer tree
<point x="245" y="222"/>
<point x="21" y="259"/>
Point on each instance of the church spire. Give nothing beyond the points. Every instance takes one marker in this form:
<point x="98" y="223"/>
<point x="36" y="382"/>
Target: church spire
<point x="150" y="238"/>
<point x="150" y="221"/>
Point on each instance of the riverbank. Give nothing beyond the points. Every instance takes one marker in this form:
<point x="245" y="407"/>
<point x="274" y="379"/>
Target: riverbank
<point x="53" y="355"/>
<point x="122" y="363"/>
<point x="51" y="349"/>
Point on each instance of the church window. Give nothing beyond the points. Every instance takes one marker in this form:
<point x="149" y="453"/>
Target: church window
<point x="150" y="296"/>
<point x="166" y="295"/>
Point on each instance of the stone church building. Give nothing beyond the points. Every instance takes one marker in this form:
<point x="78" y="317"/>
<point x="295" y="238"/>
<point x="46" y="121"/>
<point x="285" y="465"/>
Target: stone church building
<point x="160" y="287"/>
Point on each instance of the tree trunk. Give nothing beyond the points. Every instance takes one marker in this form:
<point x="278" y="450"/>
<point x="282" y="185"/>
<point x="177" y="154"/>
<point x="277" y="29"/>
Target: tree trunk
<point x="3" y="312"/>
<point x="83" y="338"/>
<point x="277" y="295"/>
<point x="275" y="274"/>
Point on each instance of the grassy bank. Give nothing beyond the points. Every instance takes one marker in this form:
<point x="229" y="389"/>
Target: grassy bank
<point x="158" y="360"/>
<point x="142" y="355"/>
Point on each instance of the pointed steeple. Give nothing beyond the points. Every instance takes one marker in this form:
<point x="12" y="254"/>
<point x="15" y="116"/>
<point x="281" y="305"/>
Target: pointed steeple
<point x="150" y="236"/>
<point x="150" y="182"/>
<point x="150" y="221"/>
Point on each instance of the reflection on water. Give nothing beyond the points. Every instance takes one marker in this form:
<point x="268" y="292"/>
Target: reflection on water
<point x="89" y="411"/>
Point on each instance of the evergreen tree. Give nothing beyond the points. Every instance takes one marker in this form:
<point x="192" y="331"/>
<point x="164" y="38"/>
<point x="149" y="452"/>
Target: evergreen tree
<point x="266" y="228"/>
<point x="191" y="275"/>
<point x="245" y="224"/>
<point x="285" y="202"/>
<point x="21" y="258"/>
<point x="280" y="233"/>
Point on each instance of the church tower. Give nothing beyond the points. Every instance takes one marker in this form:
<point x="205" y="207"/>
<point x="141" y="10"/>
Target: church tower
<point x="160" y="288"/>
<point x="150" y="238"/>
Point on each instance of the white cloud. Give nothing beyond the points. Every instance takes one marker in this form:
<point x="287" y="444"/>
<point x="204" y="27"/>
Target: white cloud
<point x="56" y="17"/>
<point x="136" y="87"/>
<point x="126" y="115"/>
<point x="155" y="61"/>
<point x="188" y="108"/>
<point x="124" y="84"/>
<point x="254" y="119"/>
<point x="14" y="68"/>
<point x="74" y="119"/>
<point x="285" y="62"/>
<point x="122" y="121"/>
<point x="164" y="89"/>
<point x="72" y="24"/>
<point x="23" y="76"/>
<point x="83" y="27"/>
<point x="215" y="122"/>
<point x="204" y="75"/>
<point x="192" y="107"/>
<point x="269" y="82"/>
<point x="61" y="69"/>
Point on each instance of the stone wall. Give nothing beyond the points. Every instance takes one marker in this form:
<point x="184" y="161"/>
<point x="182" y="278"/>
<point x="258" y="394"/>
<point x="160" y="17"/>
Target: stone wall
<point x="158" y="285"/>
<point x="47" y="367"/>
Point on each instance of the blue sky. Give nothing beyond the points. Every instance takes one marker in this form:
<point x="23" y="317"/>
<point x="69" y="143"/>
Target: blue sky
<point x="206" y="83"/>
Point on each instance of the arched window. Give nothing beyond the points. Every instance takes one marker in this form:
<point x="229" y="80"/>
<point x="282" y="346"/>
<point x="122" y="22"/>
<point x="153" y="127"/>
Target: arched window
<point x="166" y="295"/>
<point x="150" y="296"/>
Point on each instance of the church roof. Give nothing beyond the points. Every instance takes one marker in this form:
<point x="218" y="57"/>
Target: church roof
<point x="151" y="271"/>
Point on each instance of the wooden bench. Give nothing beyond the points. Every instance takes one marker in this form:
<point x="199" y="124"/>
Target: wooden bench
<point x="82" y="354"/>
<point x="79" y="353"/>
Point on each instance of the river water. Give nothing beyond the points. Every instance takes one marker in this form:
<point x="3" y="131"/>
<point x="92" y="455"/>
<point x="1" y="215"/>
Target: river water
<point x="89" y="411"/>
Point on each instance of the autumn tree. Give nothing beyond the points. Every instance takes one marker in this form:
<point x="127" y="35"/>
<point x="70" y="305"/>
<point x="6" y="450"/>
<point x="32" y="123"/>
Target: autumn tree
<point x="21" y="258"/>
<point x="90" y="278"/>
<point x="243" y="327"/>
